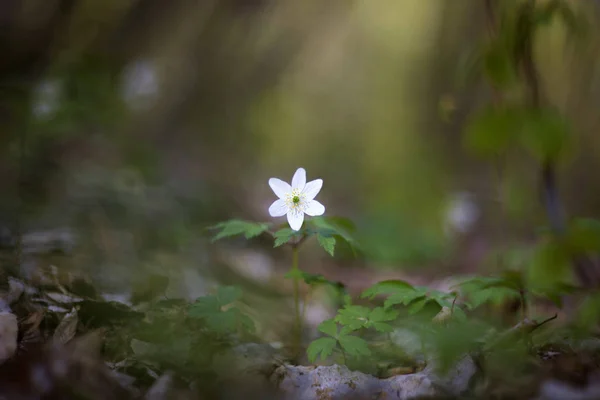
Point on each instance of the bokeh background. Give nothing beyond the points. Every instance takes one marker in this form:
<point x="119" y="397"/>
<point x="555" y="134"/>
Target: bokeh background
<point x="127" y="127"/>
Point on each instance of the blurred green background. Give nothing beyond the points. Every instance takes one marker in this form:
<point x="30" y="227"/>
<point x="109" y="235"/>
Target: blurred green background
<point x="138" y="123"/>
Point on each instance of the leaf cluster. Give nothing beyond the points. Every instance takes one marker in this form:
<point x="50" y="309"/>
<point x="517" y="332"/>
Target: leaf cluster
<point x="328" y="230"/>
<point x="218" y="312"/>
<point x="349" y="344"/>
<point x="415" y="298"/>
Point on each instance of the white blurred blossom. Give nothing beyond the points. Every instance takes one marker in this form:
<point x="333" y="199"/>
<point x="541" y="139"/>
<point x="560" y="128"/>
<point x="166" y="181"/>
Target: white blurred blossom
<point x="140" y="84"/>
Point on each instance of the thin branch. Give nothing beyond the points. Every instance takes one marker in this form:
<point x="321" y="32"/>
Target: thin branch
<point x="544" y="322"/>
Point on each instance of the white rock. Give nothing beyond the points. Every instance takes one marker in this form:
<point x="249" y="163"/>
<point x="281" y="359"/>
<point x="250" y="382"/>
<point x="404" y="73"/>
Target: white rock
<point x="337" y="382"/>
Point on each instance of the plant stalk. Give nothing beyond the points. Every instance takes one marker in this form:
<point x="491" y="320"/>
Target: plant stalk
<point x="297" y="298"/>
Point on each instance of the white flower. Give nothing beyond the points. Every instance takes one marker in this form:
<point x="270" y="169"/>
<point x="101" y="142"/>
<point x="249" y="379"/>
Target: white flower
<point x="297" y="199"/>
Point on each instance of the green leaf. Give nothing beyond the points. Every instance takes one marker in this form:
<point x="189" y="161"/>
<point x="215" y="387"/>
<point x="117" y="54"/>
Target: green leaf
<point x="228" y="294"/>
<point x="456" y="340"/>
<point x="328" y="327"/>
<point x="483" y="290"/>
<point x="459" y="314"/>
<point x="354" y="346"/>
<point x="238" y="227"/>
<point x="283" y="236"/>
<point x="204" y="306"/>
<point x="418" y="305"/>
<point x="550" y="267"/>
<point x="295" y="273"/>
<point x="327" y="243"/>
<point x="544" y="133"/>
<point x="334" y="227"/>
<point x="380" y="314"/>
<point x="222" y="322"/>
<point x="382" y="327"/>
<point x="584" y="235"/>
<point x="316" y="279"/>
<point x="343" y="223"/>
<point x="356" y="317"/>
<point x="492" y="131"/>
<point x="210" y="309"/>
<point x="588" y="313"/>
<point x="353" y="317"/>
<point x="405" y="297"/>
<point x="499" y="65"/>
<point x="385" y="287"/>
<point x="246" y="323"/>
<point x="324" y="346"/>
<point x="493" y="295"/>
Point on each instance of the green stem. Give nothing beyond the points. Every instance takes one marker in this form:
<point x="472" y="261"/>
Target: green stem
<point x="305" y="303"/>
<point x="297" y="297"/>
<point x="343" y="353"/>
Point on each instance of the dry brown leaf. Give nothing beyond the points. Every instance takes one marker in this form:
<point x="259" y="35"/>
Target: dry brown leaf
<point x="65" y="331"/>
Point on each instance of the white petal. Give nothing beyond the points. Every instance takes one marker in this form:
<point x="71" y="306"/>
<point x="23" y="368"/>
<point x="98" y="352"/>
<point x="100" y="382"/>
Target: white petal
<point x="312" y="188"/>
<point x="280" y="187"/>
<point x="278" y="208"/>
<point x="299" y="179"/>
<point x="314" y="208"/>
<point x="295" y="219"/>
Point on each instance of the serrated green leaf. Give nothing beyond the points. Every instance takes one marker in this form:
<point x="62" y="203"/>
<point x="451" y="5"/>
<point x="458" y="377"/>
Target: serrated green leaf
<point x="459" y="314"/>
<point x="283" y="236"/>
<point x="210" y="309"/>
<point x="385" y="287"/>
<point x="380" y="314"/>
<point x="354" y="346"/>
<point x="442" y="298"/>
<point x="327" y="243"/>
<point x="353" y="317"/>
<point x="404" y="298"/>
<point x="418" y="305"/>
<point x="328" y="327"/>
<point x="238" y="227"/>
<point x="330" y="227"/>
<point x="382" y="327"/>
<point x="324" y="346"/>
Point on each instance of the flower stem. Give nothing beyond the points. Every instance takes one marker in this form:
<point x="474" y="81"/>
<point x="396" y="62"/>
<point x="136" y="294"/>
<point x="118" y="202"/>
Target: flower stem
<point x="343" y="354"/>
<point x="297" y="299"/>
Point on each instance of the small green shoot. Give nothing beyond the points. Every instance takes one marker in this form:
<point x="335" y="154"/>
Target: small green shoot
<point x="350" y="345"/>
